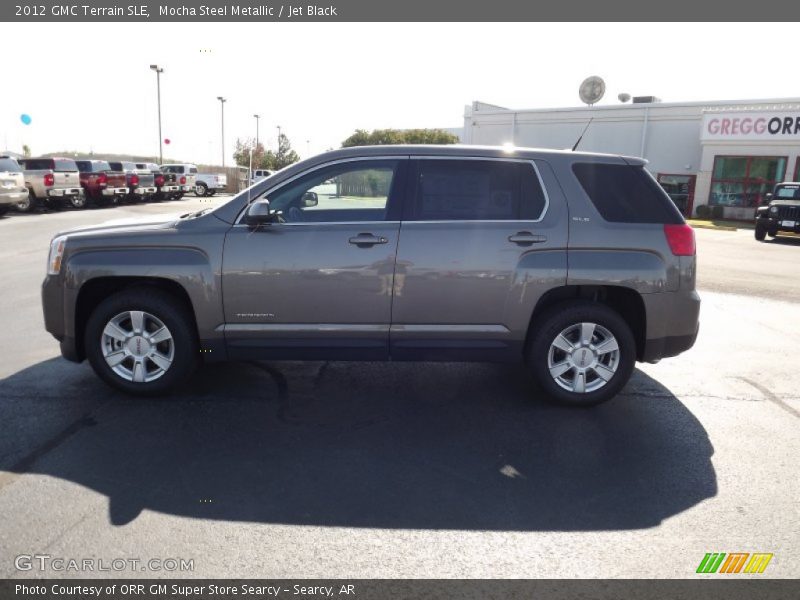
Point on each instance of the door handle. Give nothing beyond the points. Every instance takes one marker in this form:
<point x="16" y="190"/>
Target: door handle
<point x="364" y="240"/>
<point x="525" y="238"/>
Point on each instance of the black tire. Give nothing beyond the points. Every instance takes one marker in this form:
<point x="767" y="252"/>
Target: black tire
<point x="559" y="318"/>
<point x="166" y="308"/>
<point x="79" y="202"/>
<point x="200" y="190"/>
<point x="28" y="206"/>
<point x="761" y="233"/>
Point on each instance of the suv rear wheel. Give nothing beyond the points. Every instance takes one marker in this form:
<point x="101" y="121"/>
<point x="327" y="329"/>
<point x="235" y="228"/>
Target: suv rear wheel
<point x="141" y="342"/>
<point x="582" y="353"/>
<point x="761" y="233"/>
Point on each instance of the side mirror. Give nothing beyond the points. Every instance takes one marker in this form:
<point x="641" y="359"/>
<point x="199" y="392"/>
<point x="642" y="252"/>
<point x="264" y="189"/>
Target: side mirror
<point x="259" y="213"/>
<point x="310" y="199"/>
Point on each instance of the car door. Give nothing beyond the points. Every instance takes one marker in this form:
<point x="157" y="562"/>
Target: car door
<point x="319" y="283"/>
<point x="481" y="240"/>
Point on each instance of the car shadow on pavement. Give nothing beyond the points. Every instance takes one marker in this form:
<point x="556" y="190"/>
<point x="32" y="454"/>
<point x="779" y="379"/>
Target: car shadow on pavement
<point x="383" y="445"/>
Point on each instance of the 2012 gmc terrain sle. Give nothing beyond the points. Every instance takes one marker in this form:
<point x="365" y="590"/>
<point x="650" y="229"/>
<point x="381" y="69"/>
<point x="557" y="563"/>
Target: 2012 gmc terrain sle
<point x="577" y="264"/>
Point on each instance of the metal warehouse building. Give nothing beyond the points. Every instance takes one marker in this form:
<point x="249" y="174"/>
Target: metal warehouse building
<point x="722" y="153"/>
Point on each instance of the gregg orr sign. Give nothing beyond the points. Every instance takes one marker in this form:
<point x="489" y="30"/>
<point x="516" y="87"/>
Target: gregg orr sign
<point x="751" y="126"/>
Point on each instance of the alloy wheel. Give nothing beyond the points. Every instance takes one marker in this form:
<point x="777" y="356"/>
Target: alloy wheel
<point x="137" y="346"/>
<point x="583" y="358"/>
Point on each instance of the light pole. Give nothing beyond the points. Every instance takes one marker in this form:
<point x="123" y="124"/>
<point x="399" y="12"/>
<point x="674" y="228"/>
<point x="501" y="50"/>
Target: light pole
<point x="222" y="107"/>
<point x="279" y="138"/>
<point x="159" y="71"/>
<point x="257" y="118"/>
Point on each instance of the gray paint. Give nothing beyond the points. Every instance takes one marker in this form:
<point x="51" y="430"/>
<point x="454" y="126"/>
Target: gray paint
<point x="434" y="290"/>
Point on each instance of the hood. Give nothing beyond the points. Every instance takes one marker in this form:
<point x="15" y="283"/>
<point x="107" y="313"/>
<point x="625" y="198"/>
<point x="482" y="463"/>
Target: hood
<point x="127" y="225"/>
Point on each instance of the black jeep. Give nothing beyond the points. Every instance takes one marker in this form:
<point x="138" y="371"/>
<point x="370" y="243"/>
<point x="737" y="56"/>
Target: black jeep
<point x="780" y="212"/>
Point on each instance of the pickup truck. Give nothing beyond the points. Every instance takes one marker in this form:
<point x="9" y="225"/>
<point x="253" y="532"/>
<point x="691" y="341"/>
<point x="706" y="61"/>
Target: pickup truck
<point x="166" y="183"/>
<point x="209" y="184"/>
<point x="187" y="177"/>
<point x="141" y="182"/>
<point x="101" y="184"/>
<point x="259" y="175"/>
<point x="50" y="181"/>
<point x="12" y="184"/>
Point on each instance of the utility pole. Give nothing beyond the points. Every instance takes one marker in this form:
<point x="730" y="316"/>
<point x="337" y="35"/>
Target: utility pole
<point x="159" y="71"/>
<point x="257" y="118"/>
<point x="222" y="106"/>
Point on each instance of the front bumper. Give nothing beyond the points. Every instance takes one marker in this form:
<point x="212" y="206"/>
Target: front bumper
<point x="61" y="192"/>
<point x="776" y="224"/>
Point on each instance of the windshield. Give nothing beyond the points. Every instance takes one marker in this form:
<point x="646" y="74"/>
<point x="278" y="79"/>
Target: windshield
<point x="788" y="193"/>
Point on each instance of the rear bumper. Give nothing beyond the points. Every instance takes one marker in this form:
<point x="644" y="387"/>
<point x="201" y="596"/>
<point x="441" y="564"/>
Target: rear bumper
<point x="673" y="321"/>
<point x="187" y="188"/>
<point x="143" y="191"/>
<point x="13" y="196"/>
<point x="169" y="189"/>
<point x="114" y="191"/>
<point x="61" y="192"/>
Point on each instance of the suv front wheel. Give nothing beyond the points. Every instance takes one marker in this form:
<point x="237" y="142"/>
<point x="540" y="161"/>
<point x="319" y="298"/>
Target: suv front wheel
<point x="141" y="342"/>
<point x="582" y="353"/>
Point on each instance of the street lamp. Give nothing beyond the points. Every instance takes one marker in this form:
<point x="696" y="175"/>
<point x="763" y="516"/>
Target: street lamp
<point x="222" y="107"/>
<point x="257" y="118"/>
<point x="159" y="71"/>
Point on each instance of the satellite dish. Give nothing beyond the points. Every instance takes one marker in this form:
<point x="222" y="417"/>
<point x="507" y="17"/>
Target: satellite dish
<point x="623" y="97"/>
<point x="591" y="90"/>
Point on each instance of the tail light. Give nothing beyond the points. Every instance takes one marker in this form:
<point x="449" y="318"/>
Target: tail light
<point x="134" y="180"/>
<point x="102" y="179"/>
<point x="680" y="239"/>
<point x="183" y="180"/>
<point x="159" y="180"/>
<point x="49" y="179"/>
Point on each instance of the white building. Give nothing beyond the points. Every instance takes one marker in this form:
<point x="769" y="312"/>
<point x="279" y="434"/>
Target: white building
<point x="722" y="153"/>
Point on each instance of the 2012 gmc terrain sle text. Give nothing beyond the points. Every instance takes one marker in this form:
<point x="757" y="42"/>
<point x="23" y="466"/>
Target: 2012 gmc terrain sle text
<point x="577" y="264"/>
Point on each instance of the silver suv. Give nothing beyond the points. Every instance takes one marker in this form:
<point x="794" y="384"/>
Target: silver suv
<point x="576" y="264"/>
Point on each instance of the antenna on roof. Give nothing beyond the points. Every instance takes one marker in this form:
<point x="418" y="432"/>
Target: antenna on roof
<point x="582" y="132"/>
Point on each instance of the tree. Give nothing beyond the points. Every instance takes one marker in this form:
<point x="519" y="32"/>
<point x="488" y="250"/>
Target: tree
<point x="265" y="159"/>
<point x="26" y="151"/>
<point x="285" y="155"/>
<point x="399" y="136"/>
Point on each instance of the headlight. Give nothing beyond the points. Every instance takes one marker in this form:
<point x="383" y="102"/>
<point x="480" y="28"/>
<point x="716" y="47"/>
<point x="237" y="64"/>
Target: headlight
<point x="56" y="253"/>
<point x="773" y="209"/>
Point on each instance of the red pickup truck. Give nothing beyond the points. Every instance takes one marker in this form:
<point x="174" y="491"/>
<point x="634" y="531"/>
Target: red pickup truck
<point x="100" y="184"/>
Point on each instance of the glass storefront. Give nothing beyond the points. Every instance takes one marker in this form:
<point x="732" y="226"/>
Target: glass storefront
<point x="680" y="188"/>
<point x="744" y="180"/>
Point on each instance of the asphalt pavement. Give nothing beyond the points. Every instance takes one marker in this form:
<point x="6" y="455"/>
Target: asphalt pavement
<point x="286" y="469"/>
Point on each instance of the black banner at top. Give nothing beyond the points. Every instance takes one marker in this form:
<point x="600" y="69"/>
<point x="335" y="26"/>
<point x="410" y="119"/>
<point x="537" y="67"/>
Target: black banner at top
<point x="395" y="10"/>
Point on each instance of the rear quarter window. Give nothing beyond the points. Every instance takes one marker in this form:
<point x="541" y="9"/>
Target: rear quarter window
<point x="626" y="194"/>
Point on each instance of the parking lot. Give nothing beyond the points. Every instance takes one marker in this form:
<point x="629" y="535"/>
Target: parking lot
<point x="282" y="469"/>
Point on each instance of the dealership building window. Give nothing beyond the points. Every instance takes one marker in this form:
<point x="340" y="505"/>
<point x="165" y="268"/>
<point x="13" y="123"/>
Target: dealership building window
<point x="744" y="180"/>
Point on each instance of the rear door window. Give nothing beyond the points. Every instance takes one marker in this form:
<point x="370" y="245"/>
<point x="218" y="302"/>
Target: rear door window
<point x="477" y="190"/>
<point x="38" y="164"/>
<point x="626" y="193"/>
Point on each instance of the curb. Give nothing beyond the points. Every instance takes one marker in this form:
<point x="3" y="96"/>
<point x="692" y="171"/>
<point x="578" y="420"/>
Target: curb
<point x="717" y="227"/>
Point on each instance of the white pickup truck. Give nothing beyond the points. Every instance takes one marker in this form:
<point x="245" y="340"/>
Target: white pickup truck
<point x="12" y="184"/>
<point x="50" y="182"/>
<point x="208" y="184"/>
<point x="186" y="177"/>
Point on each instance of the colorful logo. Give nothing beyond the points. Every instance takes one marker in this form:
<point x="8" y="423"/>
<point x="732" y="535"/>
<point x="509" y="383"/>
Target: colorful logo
<point x="735" y="562"/>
